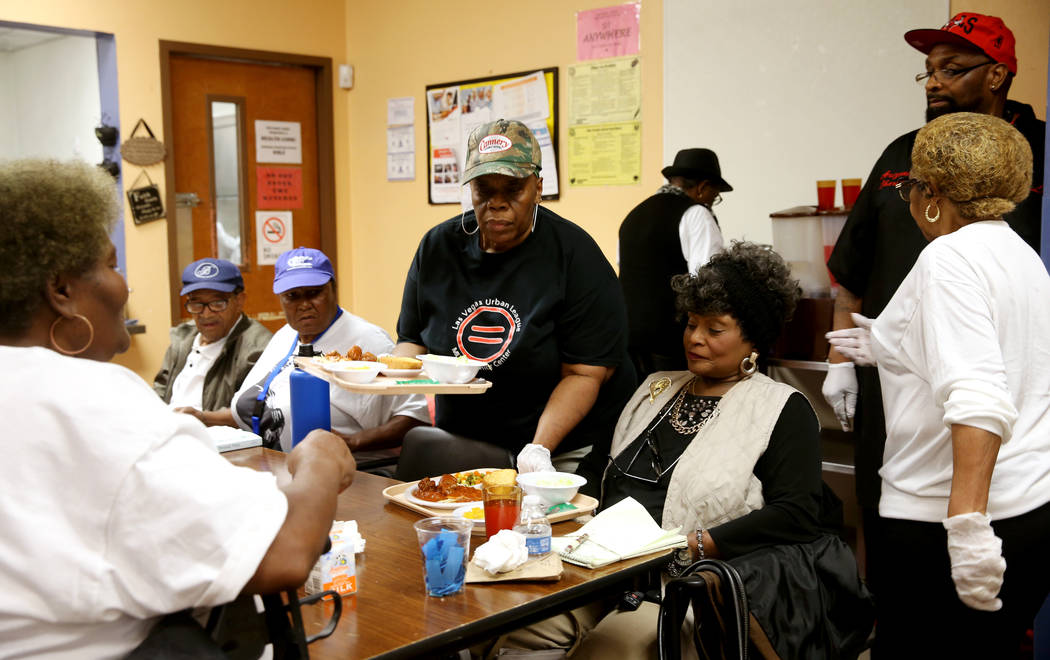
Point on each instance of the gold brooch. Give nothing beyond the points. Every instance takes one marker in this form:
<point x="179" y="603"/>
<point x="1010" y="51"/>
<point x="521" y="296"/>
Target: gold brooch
<point x="658" y="386"/>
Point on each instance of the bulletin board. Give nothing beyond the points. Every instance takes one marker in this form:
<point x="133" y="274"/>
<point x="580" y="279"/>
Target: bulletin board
<point x="455" y="108"/>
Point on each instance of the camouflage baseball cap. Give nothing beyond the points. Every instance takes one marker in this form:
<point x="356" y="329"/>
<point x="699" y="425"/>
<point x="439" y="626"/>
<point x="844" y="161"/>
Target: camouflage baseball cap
<point x="503" y="146"/>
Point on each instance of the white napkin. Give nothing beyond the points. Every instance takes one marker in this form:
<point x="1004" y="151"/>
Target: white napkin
<point x="345" y="531"/>
<point x="504" y="552"/>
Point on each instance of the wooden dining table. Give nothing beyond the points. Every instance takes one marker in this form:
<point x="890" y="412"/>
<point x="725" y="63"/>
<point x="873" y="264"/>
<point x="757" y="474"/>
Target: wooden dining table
<point x="391" y="616"/>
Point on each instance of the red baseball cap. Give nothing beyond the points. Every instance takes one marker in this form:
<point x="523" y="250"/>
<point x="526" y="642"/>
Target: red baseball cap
<point x="987" y="33"/>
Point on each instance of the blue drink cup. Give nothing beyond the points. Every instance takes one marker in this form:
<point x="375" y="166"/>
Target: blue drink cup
<point x="445" y="546"/>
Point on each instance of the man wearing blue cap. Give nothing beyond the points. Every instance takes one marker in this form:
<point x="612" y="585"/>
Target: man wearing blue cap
<point x="209" y="356"/>
<point x="304" y="281"/>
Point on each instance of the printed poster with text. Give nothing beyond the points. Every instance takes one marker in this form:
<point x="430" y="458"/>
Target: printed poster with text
<point x="607" y="32"/>
<point x="605" y="154"/>
<point x="605" y="107"/>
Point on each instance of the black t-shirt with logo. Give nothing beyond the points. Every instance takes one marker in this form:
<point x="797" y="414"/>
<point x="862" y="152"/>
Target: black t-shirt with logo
<point x="553" y="299"/>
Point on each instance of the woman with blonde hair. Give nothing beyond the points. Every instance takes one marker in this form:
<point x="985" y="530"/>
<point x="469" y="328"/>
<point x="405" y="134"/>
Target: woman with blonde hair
<point x="965" y="371"/>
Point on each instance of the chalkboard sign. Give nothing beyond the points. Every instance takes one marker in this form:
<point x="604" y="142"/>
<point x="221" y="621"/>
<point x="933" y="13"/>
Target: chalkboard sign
<point x="145" y="204"/>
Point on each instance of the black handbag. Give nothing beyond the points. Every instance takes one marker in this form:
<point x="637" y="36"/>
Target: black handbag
<point x="721" y="616"/>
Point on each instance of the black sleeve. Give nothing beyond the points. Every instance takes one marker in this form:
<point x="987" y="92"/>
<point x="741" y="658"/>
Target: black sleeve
<point x="854" y="253"/>
<point x="790" y="472"/>
<point x="409" y="321"/>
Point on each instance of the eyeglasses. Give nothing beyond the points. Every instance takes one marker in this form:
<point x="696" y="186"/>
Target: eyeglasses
<point x="904" y="188"/>
<point x="196" y="307"/>
<point x="655" y="462"/>
<point x="948" y="73"/>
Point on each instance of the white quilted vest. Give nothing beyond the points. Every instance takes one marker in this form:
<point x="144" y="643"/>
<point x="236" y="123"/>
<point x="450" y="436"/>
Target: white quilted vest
<point x="713" y="482"/>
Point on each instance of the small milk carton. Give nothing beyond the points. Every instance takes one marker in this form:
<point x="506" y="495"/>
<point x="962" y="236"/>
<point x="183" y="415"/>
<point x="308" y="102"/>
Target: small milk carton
<point x="336" y="570"/>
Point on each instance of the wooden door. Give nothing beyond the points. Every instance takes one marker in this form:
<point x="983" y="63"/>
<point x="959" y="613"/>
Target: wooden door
<point x="207" y="94"/>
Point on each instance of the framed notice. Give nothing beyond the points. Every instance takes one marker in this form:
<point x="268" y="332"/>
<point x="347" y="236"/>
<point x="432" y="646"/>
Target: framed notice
<point x="454" y="109"/>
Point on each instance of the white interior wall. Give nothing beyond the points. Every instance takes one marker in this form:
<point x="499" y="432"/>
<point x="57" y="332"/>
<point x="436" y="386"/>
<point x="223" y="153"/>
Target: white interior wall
<point x="55" y="98"/>
<point x="790" y="92"/>
<point x="8" y="134"/>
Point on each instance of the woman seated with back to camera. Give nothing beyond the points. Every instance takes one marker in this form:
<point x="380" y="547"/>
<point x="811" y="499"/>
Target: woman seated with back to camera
<point x="720" y="450"/>
<point x="126" y="503"/>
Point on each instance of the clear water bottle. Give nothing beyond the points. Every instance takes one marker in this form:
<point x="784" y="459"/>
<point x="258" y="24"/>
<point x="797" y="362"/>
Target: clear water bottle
<point x="310" y="404"/>
<point x="534" y="526"/>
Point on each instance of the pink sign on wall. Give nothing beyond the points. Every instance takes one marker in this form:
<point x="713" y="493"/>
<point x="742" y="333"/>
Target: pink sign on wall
<point x="607" y="32"/>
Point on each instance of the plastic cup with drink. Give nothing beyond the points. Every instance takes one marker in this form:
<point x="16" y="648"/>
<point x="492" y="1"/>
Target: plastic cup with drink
<point x="502" y="507"/>
<point x="826" y="194"/>
<point x="850" y="192"/>
<point x="445" y="545"/>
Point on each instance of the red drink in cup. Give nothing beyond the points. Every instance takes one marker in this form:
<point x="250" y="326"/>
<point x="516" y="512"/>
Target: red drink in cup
<point x="850" y="192"/>
<point x="502" y="506"/>
<point x="825" y="195"/>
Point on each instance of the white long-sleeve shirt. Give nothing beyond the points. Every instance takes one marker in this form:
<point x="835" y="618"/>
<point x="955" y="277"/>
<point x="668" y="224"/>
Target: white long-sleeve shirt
<point x="963" y="341"/>
<point x="700" y="236"/>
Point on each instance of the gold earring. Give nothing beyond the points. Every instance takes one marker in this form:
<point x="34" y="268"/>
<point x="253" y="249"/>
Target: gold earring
<point x="749" y="364"/>
<point x="927" y="213"/>
<point x="54" y="342"/>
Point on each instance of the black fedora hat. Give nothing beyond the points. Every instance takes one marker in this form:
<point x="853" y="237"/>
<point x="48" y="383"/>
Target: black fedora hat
<point x="699" y="165"/>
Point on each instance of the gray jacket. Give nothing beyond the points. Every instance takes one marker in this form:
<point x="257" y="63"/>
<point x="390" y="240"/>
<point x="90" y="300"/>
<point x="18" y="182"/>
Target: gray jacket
<point x="243" y="347"/>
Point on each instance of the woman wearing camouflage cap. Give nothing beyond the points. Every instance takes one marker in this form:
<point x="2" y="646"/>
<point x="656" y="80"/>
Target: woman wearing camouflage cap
<point x="529" y="293"/>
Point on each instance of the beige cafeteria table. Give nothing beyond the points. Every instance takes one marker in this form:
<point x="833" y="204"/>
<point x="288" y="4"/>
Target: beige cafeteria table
<point x="391" y="617"/>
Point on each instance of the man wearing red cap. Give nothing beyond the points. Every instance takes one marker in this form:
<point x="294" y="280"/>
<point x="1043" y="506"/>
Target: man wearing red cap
<point x="970" y="65"/>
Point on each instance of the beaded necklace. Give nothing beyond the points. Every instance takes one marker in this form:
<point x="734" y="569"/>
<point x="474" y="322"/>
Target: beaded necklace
<point x="696" y="414"/>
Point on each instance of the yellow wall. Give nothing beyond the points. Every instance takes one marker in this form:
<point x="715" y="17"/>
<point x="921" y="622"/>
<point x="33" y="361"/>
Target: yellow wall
<point x="307" y="27"/>
<point x="396" y="50"/>
<point x="399" y="55"/>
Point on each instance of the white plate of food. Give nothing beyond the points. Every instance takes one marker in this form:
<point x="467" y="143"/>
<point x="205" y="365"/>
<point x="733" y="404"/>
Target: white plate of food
<point x="399" y="366"/>
<point x="449" y="491"/>
<point x="474" y="512"/>
<point x="400" y="373"/>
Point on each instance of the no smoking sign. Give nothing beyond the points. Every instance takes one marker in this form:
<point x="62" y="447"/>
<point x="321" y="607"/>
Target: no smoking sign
<point x="273" y="235"/>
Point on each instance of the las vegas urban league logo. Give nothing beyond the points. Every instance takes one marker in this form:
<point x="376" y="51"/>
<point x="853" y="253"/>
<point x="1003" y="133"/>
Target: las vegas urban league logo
<point x="485" y="329"/>
<point x="300" y="261"/>
<point x="206" y="270"/>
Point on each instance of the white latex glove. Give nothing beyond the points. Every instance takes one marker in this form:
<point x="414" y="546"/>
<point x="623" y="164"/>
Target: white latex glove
<point x="977" y="560"/>
<point x="535" y="458"/>
<point x="840" y="391"/>
<point x="854" y="344"/>
<point x="505" y="551"/>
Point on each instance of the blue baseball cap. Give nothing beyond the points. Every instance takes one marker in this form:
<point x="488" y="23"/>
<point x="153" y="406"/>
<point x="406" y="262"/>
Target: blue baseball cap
<point x="302" y="266"/>
<point x="215" y="274"/>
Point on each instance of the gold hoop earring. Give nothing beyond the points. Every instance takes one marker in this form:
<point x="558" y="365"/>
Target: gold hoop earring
<point x="927" y="213"/>
<point x="54" y="342"/>
<point x="749" y="364"/>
